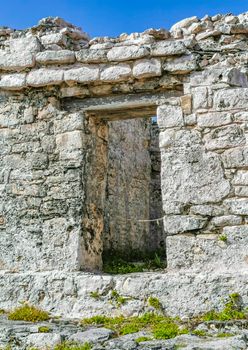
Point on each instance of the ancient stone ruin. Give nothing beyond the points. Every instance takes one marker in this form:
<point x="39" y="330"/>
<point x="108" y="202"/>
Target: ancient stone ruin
<point x="85" y="170"/>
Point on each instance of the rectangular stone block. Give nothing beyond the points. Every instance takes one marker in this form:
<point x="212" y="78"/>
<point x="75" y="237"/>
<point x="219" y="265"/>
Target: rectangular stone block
<point x="181" y="65"/>
<point x="186" y="104"/>
<point x="125" y="53"/>
<point x="227" y="220"/>
<point x="235" y="158"/>
<point x="169" y="116"/>
<point x="238" y="206"/>
<point x="147" y="68"/>
<point x="55" y="38"/>
<point x="16" y="61"/>
<point x="168" y="48"/>
<point x="240" y="178"/>
<point x="175" y="224"/>
<point x="200" y="97"/>
<point x="43" y="77"/>
<point x="241" y="191"/>
<point x="29" y="44"/>
<point x="69" y="122"/>
<point x="13" y="81"/>
<point x="83" y="74"/>
<point x="116" y="73"/>
<point x="55" y="57"/>
<point x="69" y="145"/>
<point x="225" y="137"/>
<point x="213" y="119"/>
<point x="231" y="98"/>
<point x="92" y="56"/>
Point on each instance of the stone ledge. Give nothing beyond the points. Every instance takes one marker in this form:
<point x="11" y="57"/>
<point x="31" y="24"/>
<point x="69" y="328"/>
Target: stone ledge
<point x="184" y="293"/>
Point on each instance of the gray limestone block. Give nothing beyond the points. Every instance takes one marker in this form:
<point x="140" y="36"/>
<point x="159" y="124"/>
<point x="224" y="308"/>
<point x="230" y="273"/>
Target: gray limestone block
<point x="83" y="74"/>
<point x="92" y="56"/>
<point x="42" y="341"/>
<point x="125" y="53"/>
<point x="55" y="57"/>
<point x="94" y="335"/>
<point x="118" y="72"/>
<point x="146" y="68"/>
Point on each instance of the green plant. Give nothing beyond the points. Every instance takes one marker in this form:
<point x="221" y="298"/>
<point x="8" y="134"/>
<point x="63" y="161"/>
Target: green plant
<point x="232" y="311"/>
<point x="158" y="262"/>
<point x="118" y="263"/>
<point x="142" y="339"/>
<point x="224" y="335"/>
<point x="129" y="328"/>
<point x="98" y="319"/>
<point x="116" y="297"/>
<point x="95" y="295"/>
<point x="155" y="303"/>
<point x="223" y="238"/>
<point x="28" y="313"/>
<point x="44" y="329"/>
<point x="72" y="346"/>
<point x="199" y="333"/>
<point x="168" y="330"/>
<point x="2" y="311"/>
<point x="162" y="327"/>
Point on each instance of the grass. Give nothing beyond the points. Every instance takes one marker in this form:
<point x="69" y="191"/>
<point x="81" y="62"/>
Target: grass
<point x="28" y="313"/>
<point x="224" y="335"/>
<point x="44" y="329"/>
<point x="231" y="311"/>
<point x="155" y="303"/>
<point x="119" y="264"/>
<point x="72" y="346"/>
<point x="117" y="298"/>
<point x="223" y="238"/>
<point x="199" y="333"/>
<point x="142" y="339"/>
<point x="95" y="295"/>
<point x="162" y="327"/>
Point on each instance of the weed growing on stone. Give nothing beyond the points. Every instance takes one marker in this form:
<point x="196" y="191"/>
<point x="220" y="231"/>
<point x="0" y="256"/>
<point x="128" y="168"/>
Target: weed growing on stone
<point x="95" y="295"/>
<point x="162" y="327"/>
<point x="117" y="298"/>
<point x="115" y="264"/>
<point x="44" y="329"/>
<point x="72" y="346"/>
<point x="223" y="238"/>
<point x="224" y="335"/>
<point x="231" y="311"/>
<point x="168" y="329"/>
<point x="28" y="313"/>
<point x="199" y="333"/>
<point x="142" y="339"/>
<point x="155" y="303"/>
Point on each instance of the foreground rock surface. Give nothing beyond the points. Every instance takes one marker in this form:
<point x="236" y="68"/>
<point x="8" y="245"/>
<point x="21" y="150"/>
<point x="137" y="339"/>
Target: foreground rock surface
<point x="23" y="335"/>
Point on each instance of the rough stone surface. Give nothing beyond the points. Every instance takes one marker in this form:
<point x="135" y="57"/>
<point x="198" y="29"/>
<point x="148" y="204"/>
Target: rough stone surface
<point x="69" y="179"/>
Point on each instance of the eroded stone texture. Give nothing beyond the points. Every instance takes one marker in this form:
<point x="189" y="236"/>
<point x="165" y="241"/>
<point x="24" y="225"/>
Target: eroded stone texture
<point x="53" y="162"/>
<point x="133" y="190"/>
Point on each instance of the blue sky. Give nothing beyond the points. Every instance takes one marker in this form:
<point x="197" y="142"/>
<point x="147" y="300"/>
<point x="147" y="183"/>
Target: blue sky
<point x="113" y="17"/>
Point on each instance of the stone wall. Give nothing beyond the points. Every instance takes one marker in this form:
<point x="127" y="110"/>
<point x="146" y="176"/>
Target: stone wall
<point x="58" y="91"/>
<point x="204" y="173"/>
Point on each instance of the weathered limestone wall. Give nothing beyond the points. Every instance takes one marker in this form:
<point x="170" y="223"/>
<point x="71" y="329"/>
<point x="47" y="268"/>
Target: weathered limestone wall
<point x="57" y="91"/>
<point x="204" y="172"/>
<point x="41" y="184"/>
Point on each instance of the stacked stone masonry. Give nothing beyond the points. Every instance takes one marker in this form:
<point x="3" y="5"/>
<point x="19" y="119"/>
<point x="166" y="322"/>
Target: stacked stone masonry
<point x="59" y="91"/>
